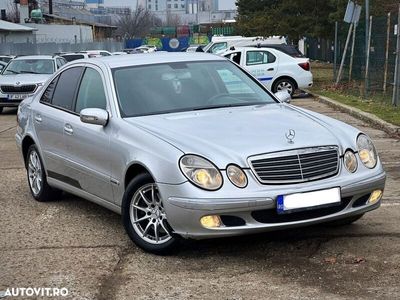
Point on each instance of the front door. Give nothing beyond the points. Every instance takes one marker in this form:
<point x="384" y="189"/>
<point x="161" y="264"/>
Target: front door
<point x="87" y="145"/>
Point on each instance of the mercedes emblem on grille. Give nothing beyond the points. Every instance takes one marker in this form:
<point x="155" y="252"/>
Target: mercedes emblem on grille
<point x="290" y="134"/>
<point x="18" y="83"/>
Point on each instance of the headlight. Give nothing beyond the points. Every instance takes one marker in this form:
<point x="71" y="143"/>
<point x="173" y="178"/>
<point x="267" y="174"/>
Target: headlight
<point x="366" y="151"/>
<point x="236" y="176"/>
<point x="201" y="172"/>
<point x="350" y="161"/>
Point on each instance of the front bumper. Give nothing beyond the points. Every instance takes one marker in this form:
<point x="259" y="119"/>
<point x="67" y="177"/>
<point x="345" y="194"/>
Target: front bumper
<point x="5" y="102"/>
<point x="259" y="213"/>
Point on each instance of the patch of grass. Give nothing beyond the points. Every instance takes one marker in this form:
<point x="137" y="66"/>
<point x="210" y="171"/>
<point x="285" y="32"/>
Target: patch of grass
<point x="348" y="94"/>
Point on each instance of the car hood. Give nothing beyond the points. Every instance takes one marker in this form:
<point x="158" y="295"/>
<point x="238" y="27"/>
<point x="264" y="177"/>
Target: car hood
<point x="23" y="79"/>
<point x="231" y="135"/>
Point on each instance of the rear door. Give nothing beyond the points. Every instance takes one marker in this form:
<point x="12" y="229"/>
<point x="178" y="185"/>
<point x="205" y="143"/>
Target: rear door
<point x="261" y="64"/>
<point x="48" y="117"/>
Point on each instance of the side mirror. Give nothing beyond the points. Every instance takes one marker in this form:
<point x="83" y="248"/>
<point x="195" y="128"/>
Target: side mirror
<point x="283" y="96"/>
<point x="94" y="116"/>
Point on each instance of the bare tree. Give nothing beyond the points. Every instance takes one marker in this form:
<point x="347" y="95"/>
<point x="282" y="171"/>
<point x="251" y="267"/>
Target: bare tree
<point x="137" y="24"/>
<point x="172" y="20"/>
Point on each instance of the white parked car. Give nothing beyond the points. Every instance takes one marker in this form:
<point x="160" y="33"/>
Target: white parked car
<point x="24" y="76"/>
<point x="146" y="48"/>
<point x="275" y="69"/>
<point x="219" y="44"/>
<point x="96" y="53"/>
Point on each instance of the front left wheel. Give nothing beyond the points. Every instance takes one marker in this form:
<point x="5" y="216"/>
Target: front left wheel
<point x="144" y="216"/>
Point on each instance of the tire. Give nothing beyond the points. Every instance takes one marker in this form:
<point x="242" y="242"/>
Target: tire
<point x="37" y="179"/>
<point x="1" y="109"/>
<point x="345" y="221"/>
<point x="284" y="84"/>
<point x="144" y="217"/>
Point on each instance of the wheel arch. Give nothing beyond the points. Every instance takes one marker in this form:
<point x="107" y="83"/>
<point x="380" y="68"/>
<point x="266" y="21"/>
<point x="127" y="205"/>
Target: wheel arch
<point x="26" y="143"/>
<point x="284" y="77"/>
<point x="133" y="170"/>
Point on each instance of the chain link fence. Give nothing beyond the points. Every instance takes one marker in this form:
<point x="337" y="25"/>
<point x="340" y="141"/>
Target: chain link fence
<point x="375" y="82"/>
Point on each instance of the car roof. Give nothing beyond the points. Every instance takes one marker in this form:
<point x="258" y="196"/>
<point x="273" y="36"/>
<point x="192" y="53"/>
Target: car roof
<point x="152" y="58"/>
<point x="84" y="51"/>
<point x="73" y="53"/>
<point x="236" y="49"/>
<point x="35" y="57"/>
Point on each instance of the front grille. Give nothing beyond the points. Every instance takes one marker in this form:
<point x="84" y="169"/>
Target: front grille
<point x="296" y="166"/>
<point x="28" y="88"/>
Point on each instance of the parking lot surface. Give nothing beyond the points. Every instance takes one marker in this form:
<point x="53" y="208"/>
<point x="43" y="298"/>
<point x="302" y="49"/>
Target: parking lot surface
<point x="78" y="245"/>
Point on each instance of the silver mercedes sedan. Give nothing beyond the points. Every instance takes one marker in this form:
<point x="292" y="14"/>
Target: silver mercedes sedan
<point x="190" y="145"/>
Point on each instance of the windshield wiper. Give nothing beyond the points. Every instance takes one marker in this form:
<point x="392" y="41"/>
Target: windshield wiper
<point x="12" y="71"/>
<point x="29" y="72"/>
<point x="227" y="105"/>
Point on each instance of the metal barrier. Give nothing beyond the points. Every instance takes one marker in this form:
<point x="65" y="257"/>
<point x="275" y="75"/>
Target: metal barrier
<point x="370" y="70"/>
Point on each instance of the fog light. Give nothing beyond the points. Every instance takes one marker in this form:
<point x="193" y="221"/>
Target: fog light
<point x="375" y="196"/>
<point x="211" y="221"/>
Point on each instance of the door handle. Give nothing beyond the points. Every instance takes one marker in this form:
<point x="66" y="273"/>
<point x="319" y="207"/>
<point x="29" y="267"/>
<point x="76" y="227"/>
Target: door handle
<point x="68" y="129"/>
<point x="270" y="69"/>
<point x="38" y="118"/>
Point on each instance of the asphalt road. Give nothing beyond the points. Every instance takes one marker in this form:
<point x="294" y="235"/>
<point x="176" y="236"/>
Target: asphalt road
<point x="75" y="244"/>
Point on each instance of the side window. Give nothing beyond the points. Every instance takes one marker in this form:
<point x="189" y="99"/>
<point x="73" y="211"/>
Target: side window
<point x="104" y="54"/>
<point x="259" y="58"/>
<point x="91" y="91"/>
<point x="218" y="47"/>
<point x="271" y="57"/>
<point x="66" y="86"/>
<point x="48" y="93"/>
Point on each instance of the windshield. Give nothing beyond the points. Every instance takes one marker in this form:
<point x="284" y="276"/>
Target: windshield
<point x="29" y="66"/>
<point x="185" y="86"/>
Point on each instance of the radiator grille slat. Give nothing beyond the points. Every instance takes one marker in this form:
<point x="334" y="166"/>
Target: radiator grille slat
<point x="27" y="88"/>
<point x="296" y="166"/>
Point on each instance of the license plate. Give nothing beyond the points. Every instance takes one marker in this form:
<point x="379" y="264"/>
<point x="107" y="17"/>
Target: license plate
<point x="17" y="97"/>
<point x="308" y="200"/>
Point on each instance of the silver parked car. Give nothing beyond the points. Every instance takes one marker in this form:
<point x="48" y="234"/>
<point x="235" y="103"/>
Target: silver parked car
<point x="190" y="145"/>
<point x="25" y="75"/>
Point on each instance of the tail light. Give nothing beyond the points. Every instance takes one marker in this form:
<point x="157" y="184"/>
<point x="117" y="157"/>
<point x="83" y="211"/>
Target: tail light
<point x="305" y="66"/>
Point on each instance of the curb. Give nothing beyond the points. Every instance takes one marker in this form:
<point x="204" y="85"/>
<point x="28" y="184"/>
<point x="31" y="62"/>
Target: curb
<point x="373" y="120"/>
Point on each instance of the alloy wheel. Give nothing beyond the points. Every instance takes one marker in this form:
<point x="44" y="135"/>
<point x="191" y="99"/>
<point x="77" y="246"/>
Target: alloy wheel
<point x="285" y="86"/>
<point x="148" y="217"/>
<point x="35" y="174"/>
